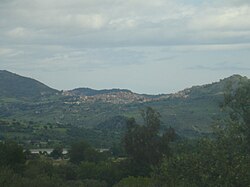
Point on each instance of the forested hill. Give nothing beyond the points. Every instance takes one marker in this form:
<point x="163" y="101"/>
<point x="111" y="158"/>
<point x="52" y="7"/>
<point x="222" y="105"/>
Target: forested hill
<point x="86" y="113"/>
<point x="93" y="92"/>
<point x="16" y="86"/>
<point x="215" y="88"/>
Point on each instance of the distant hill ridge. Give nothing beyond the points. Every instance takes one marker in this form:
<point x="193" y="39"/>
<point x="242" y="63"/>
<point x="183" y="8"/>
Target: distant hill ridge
<point x="16" y="86"/>
<point x="191" y="111"/>
<point x="213" y="88"/>
<point x="92" y="92"/>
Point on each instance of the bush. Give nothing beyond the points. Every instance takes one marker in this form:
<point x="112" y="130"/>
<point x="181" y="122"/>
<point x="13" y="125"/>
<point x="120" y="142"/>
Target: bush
<point x="136" y="182"/>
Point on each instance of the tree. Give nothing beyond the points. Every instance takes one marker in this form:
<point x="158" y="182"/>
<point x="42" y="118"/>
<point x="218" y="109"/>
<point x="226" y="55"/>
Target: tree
<point x="67" y="171"/>
<point x="143" y="143"/>
<point x="57" y="152"/>
<point x="11" y="154"/>
<point x="219" y="161"/>
<point x="238" y="101"/>
<point x="135" y="182"/>
<point x="81" y="151"/>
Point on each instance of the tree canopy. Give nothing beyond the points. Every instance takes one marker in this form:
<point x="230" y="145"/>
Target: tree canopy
<point x="143" y="142"/>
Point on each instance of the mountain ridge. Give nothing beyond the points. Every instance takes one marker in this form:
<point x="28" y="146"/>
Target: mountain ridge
<point x="15" y="86"/>
<point x="92" y="92"/>
<point x="191" y="112"/>
<point x="10" y="83"/>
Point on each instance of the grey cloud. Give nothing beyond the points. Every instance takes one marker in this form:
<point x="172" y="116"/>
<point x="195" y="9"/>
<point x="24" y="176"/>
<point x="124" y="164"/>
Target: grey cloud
<point x="220" y="67"/>
<point x="236" y="2"/>
<point x="116" y="35"/>
<point x="118" y="23"/>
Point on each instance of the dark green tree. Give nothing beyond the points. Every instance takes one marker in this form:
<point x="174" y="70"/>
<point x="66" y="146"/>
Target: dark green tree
<point x="136" y="182"/>
<point x="11" y="154"/>
<point x="219" y="161"/>
<point x="143" y="143"/>
<point x="81" y="151"/>
<point x="67" y="171"/>
<point x="57" y="152"/>
<point x="238" y="102"/>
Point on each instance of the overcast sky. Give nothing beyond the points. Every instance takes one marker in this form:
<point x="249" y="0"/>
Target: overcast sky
<point x="148" y="46"/>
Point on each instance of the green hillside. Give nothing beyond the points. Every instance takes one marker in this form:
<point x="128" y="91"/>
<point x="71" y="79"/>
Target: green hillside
<point x="18" y="87"/>
<point x="53" y="116"/>
<point x="92" y="92"/>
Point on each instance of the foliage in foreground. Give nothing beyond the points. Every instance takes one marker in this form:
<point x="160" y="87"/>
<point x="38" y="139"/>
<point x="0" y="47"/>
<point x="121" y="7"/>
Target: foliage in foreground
<point x="221" y="161"/>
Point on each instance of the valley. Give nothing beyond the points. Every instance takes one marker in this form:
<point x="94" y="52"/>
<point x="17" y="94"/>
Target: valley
<point x="39" y="116"/>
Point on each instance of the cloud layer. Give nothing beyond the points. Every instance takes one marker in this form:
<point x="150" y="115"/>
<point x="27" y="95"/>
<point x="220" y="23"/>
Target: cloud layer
<point x="123" y="23"/>
<point x="91" y="35"/>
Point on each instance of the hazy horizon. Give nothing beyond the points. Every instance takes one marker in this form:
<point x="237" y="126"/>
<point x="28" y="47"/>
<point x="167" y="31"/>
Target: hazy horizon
<point x="121" y="88"/>
<point x="150" y="47"/>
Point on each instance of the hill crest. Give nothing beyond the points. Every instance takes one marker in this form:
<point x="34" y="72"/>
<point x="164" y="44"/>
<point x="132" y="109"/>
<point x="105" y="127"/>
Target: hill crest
<point x="15" y="86"/>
